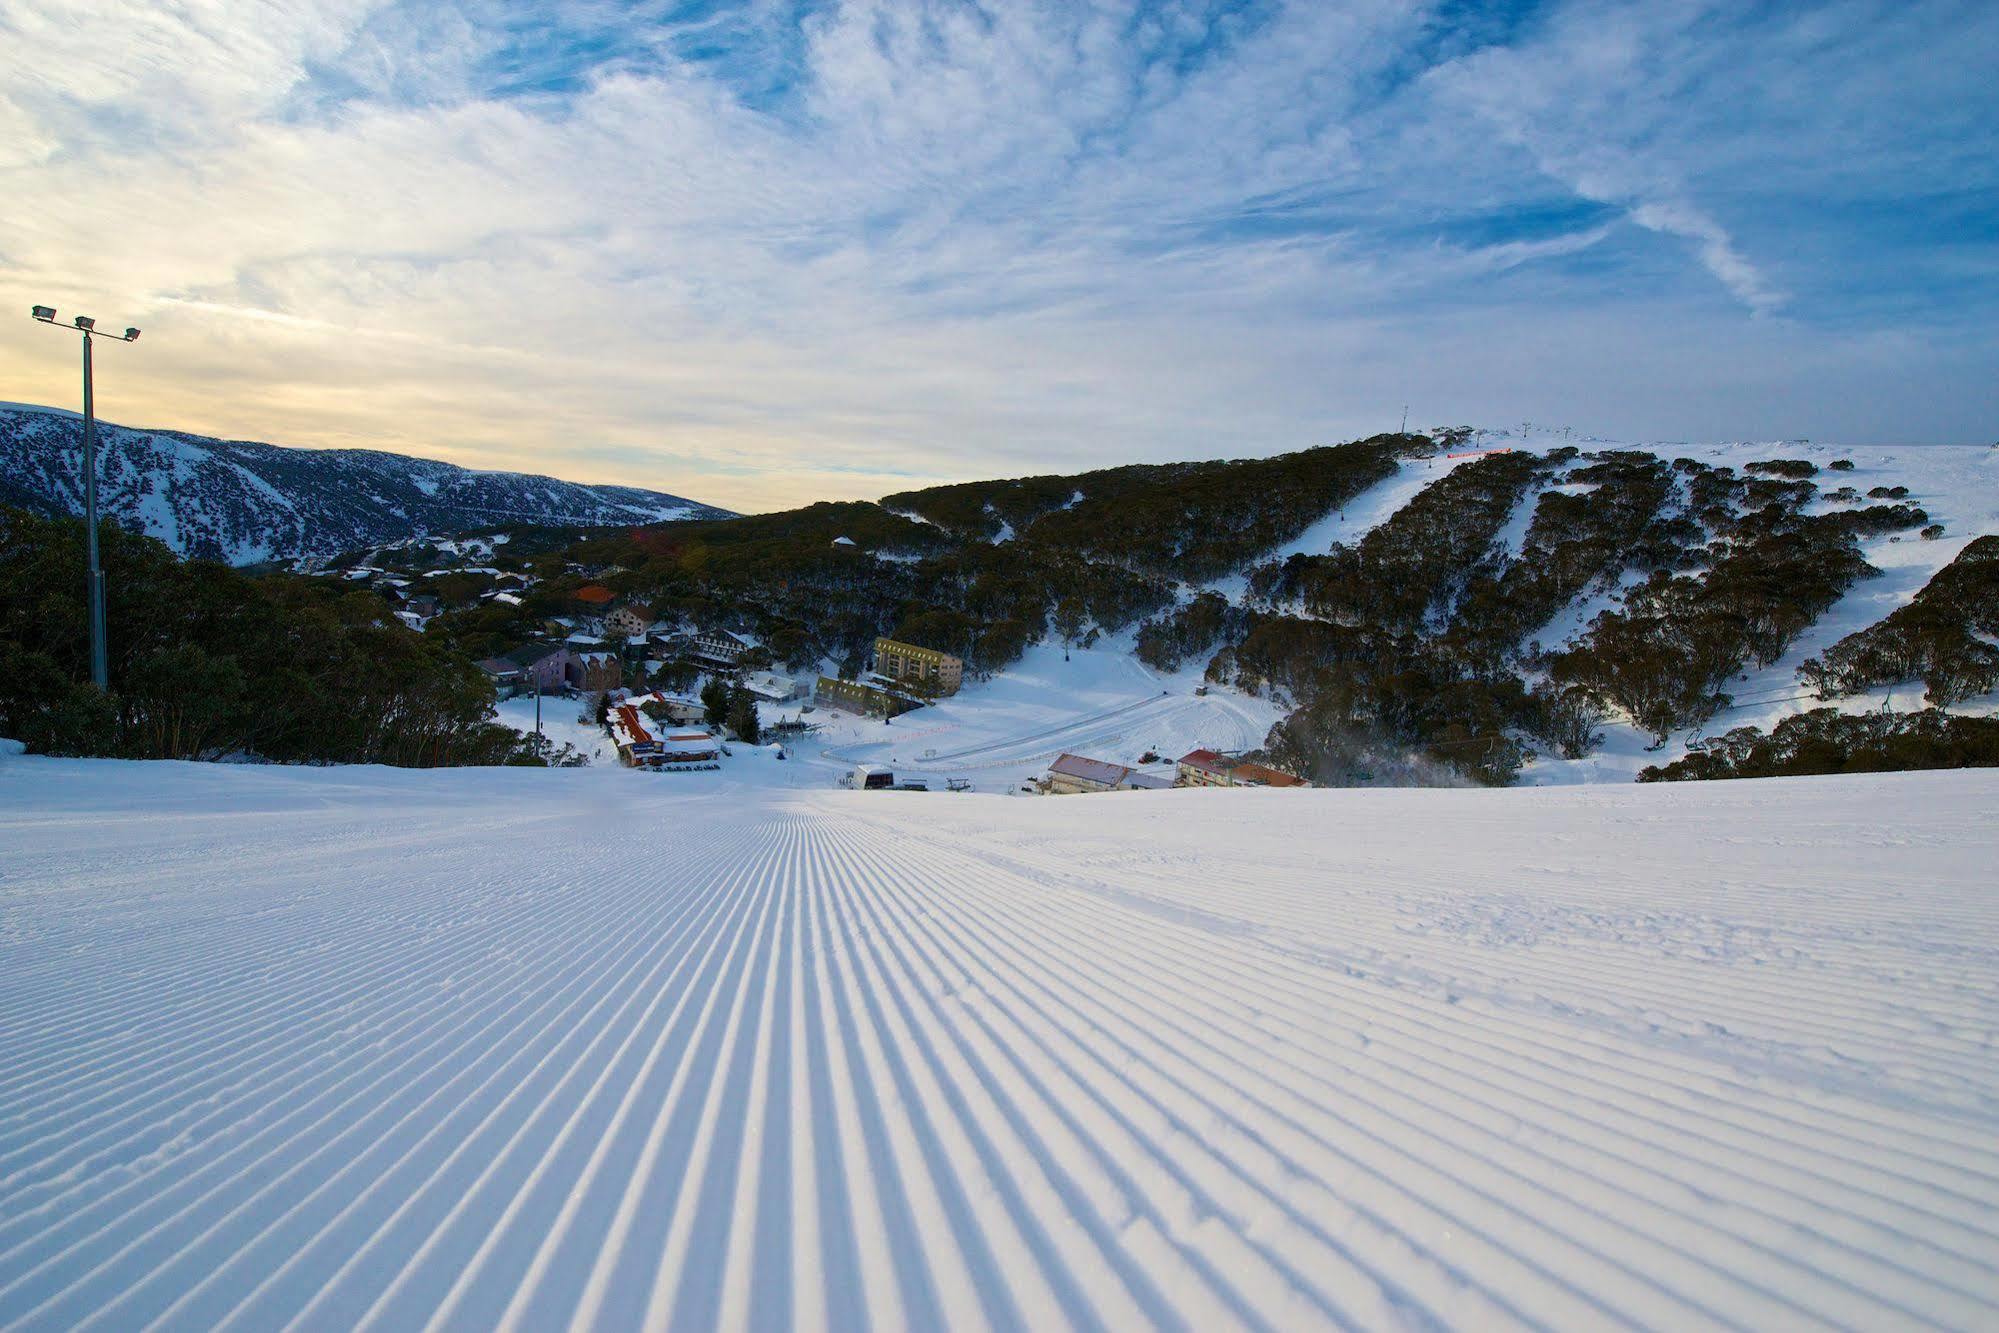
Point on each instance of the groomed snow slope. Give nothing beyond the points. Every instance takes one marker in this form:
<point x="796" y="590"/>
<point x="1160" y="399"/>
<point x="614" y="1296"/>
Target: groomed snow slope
<point x="1101" y="702"/>
<point x="354" y="1047"/>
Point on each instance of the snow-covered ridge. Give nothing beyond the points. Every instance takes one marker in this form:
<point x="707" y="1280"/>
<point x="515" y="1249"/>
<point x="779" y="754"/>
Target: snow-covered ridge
<point x="544" y="1049"/>
<point x="1957" y="486"/>
<point x="244" y="502"/>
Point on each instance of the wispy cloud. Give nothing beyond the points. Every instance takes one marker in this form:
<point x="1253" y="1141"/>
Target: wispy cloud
<point x="1587" y="101"/>
<point x="764" y="252"/>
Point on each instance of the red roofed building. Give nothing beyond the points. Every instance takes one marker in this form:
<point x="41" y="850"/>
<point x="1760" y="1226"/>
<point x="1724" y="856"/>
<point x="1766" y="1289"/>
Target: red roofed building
<point x="636" y="743"/>
<point x="640" y="746"/>
<point x="1202" y="768"/>
<point x="1206" y="768"/>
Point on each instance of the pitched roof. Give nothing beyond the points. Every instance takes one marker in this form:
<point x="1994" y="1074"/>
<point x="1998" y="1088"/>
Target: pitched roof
<point x="530" y="653"/>
<point x="498" y="666"/>
<point x="1089" y="770"/>
<point x="1207" y="759"/>
<point x="661" y="696"/>
<point x="627" y="727"/>
<point x="1136" y="781"/>
<point x="595" y="593"/>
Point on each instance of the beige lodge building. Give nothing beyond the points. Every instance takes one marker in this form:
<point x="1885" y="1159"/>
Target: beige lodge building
<point x="923" y="670"/>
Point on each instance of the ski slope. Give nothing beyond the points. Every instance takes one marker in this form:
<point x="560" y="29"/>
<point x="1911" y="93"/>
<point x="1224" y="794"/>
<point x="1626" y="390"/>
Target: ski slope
<point x="338" y="1048"/>
<point x="1099" y="701"/>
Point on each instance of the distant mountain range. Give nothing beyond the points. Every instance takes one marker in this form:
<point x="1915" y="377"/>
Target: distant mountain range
<point x="243" y="502"/>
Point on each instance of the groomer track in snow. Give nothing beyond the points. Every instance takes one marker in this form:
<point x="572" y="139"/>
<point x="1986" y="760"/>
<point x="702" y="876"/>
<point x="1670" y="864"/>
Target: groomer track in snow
<point x="339" y="1048"/>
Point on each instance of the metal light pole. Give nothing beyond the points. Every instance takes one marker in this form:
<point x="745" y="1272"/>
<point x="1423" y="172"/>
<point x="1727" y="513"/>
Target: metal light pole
<point x="88" y="328"/>
<point x="100" y="674"/>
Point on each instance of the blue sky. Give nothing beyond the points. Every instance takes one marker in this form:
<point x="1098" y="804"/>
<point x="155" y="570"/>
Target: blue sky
<point x="775" y="251"/>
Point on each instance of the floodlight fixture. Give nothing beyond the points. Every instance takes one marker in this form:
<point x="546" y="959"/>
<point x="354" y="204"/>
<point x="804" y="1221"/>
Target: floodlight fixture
<point x="85" y="322"/>
<point x="131" y="335"/>
<point x="45" y="313"/>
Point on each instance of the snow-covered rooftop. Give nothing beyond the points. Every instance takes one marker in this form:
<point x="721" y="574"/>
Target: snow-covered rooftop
<point x="1089" y="770"/>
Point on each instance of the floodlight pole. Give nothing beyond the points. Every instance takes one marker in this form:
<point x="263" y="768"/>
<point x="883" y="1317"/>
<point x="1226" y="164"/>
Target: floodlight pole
<point x="100" y="671"/>
<point x="100" y="674"/>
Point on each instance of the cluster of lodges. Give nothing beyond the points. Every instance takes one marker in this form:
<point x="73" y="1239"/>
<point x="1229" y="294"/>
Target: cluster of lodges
<point x="415" y="608"/>
<point x="577" y="653"/>
<point x="665" y="741"/>
<point x="1074" y="774"/>
<point x="900" y="677"/>
<point x="460" y="573"/>
<point x="552" y="666"/>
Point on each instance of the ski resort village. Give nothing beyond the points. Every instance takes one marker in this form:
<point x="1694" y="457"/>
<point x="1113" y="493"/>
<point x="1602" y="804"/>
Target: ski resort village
<point x="942" y="666"/>
<point x="605" y="679"/>
<point x="852" y="732"/>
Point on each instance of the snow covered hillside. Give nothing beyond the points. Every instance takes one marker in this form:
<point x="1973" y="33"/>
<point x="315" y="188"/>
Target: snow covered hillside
<point x="1958" y="486"/>
<point x="243" y="503"/>
<point x="340" y="1048"/>
<point x="1951" y="494"/>
<point x="1101" y="702"/>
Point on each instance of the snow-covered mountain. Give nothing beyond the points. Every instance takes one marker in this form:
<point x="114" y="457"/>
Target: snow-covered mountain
<point x="244" y="502"/>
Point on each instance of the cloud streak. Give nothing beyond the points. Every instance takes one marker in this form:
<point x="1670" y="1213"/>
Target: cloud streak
<point x="770" y="252"/>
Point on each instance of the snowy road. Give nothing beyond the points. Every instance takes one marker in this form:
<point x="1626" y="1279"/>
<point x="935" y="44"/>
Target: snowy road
<point x="338" y="1048"/>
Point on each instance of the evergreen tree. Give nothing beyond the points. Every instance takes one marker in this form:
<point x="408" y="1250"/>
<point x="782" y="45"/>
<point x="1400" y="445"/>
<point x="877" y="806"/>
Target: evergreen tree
<point x="715" y="701"/>
<point x="742" y="716"/>
<point x="1069" y="617"/>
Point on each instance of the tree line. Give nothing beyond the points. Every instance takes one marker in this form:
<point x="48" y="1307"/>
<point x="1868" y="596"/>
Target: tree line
<point x="208" y="662"/>
<point x="1825" y="740"/>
